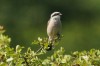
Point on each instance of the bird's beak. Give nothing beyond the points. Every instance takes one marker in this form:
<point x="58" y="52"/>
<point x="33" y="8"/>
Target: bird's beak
<point x="60" y="14"/>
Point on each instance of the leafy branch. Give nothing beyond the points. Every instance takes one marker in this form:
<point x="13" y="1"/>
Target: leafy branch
<point x="14" y="56"/>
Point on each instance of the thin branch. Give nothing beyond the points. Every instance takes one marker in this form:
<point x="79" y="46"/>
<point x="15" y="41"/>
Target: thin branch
<point x="39" y="49"/>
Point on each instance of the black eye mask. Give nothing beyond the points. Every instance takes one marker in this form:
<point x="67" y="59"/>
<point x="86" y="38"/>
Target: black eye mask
<point x="55" y="14"/>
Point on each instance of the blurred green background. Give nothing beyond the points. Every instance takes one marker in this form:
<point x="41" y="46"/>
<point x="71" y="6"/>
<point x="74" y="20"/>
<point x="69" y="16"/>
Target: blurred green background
<point x="26" y="20"/>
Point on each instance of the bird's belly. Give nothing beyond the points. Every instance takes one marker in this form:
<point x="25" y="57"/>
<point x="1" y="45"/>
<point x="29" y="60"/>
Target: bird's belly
<point x="53" y="28"/>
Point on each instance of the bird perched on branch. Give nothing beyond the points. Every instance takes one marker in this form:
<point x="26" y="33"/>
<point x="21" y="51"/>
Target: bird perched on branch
<point x="54" y="28"/>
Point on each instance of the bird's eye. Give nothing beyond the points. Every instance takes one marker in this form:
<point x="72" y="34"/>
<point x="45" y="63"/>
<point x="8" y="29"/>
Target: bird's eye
<point x="55" y="14"/>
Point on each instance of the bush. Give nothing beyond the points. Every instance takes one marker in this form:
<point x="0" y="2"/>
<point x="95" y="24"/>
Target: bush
<point x="14" y="56"/>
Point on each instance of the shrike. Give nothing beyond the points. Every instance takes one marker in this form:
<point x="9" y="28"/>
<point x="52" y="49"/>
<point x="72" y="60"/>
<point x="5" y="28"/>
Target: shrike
<point x="54" y="27"/>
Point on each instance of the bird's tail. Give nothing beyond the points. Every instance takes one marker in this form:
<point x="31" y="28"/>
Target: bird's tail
<point x="49" y="47"/>
<point x="52" y="41"/>
<point x="50" y="44"/>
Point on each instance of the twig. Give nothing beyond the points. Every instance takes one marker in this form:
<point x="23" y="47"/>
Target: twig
<point x="39" y="49"/>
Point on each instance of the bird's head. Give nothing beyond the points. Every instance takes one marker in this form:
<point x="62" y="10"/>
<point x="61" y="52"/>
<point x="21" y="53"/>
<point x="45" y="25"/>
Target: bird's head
<point x="56" y="14"/>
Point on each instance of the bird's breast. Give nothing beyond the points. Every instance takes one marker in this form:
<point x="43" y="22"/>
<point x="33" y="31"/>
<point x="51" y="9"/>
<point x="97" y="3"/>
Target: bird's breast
<point x="54" y="26"/>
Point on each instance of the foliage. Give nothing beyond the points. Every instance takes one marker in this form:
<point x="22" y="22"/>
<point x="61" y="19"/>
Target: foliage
<point x="14" y="56"/>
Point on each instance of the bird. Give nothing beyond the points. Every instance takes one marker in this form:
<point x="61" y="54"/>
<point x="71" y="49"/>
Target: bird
<point x="54" y="26"/>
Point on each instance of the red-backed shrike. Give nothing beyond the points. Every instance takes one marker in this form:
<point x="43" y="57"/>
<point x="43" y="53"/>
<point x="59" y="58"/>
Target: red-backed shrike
<point x="54" y="26"/>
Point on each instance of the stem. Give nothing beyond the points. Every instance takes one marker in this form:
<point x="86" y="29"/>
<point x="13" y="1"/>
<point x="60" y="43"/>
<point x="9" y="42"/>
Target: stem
<point x="39" y="49"/>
